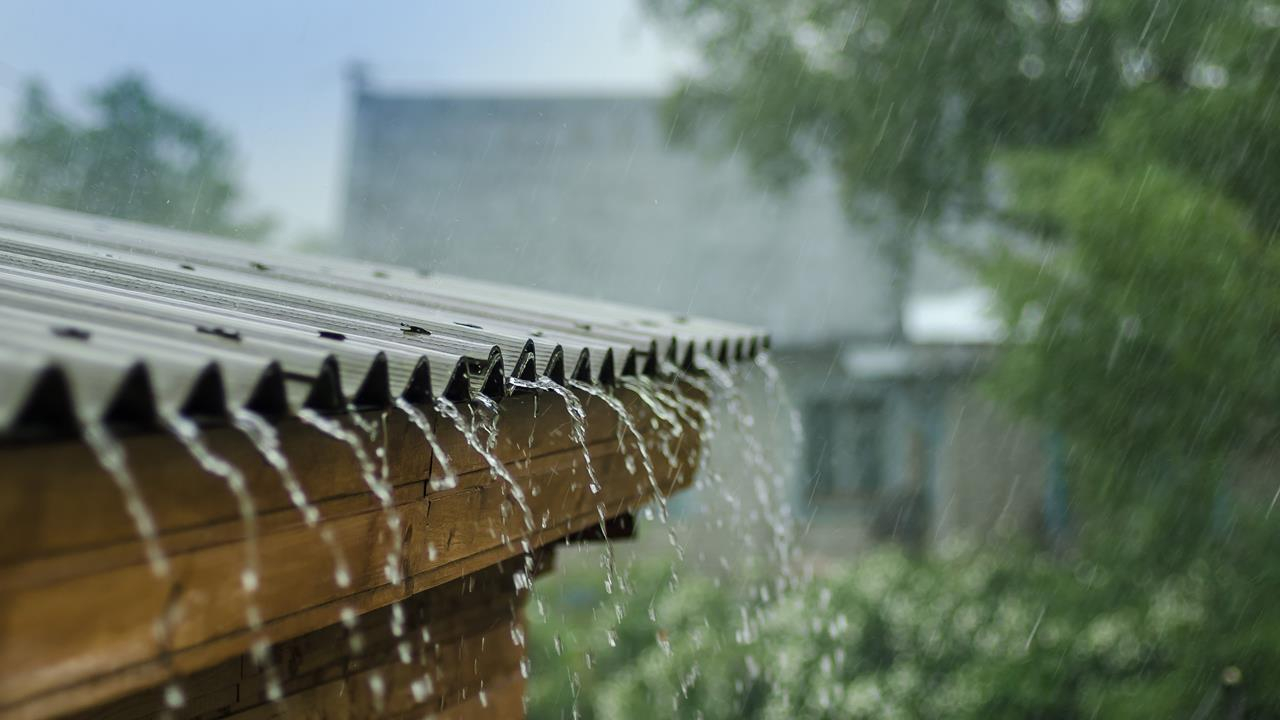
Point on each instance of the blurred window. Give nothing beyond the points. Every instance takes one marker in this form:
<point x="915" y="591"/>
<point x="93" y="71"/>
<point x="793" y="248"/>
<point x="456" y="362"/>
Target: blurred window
<point x="844" y="450"/>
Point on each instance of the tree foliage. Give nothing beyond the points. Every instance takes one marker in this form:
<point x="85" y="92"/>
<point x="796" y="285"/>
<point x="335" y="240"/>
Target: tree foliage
<point x="912" y="102"/>
<point x="1131" y="152"/>
<point x="135" y="157"/>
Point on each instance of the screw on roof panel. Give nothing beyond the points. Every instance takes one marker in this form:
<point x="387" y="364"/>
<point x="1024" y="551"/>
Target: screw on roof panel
<point x="331" y="335"/>
<point x="219" y="331"/>
<point x="413" y="329"/>
<point x="71" y="333"/>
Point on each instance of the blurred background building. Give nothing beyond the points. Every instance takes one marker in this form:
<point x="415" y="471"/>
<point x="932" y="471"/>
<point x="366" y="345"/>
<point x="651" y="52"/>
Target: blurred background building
<point x="588" y="195"/>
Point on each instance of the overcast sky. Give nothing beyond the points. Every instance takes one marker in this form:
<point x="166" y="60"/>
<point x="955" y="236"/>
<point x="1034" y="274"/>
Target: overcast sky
<point x="272" y="74"/>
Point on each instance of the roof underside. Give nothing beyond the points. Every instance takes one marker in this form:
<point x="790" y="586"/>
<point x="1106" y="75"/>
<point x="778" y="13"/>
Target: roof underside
<point x="115" y="322"/>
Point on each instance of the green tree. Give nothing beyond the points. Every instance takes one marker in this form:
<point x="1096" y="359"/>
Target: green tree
<point x="135" y="157"/>
<point x="1131" y="149"/>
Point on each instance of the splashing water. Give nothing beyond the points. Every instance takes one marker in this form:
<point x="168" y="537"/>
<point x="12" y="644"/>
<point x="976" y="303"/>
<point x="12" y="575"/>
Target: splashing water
<point x="266" y="440"/>
<point x="489" y="423"/>
<point x="111" y="456"/>
<point x="420" y="420"/>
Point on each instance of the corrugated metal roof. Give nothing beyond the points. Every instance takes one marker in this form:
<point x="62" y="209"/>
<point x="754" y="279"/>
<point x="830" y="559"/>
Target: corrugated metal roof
<point x="104" y="320"/>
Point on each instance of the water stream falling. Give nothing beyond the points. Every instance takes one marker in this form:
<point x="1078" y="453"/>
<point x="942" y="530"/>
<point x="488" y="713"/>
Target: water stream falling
<point x="626" y="421"/>
<point x="647" y="392"/>
<point x="496" y="466"/>
<point x="111" y="456"/>
<point x="523" y="579"/>
<point x="577" y="427"/>
<point x="768" y="481"/>
<point x="578" y="432"/>
<point x="680" y="402"/>
<point x="113" y="459"/>
<point x="667" y="405"/>
<point x="489" y="423"/>
<point x="266" y="440"/>
<point x="375" y="477"/>
<point x="778" y="393"/>
<point x="420" y="420"/>
<point x="186" y="432"/>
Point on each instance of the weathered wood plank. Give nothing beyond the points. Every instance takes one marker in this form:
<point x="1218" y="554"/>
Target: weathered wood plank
<point x="471" y="649"/>
<point x="61" y="656"/>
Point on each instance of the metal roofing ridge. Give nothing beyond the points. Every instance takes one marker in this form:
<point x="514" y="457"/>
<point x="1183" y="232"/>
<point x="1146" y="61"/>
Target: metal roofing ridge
<point x="132" y="362"/>
<point x="180" y="244"/>
<point x="147" y="267"/>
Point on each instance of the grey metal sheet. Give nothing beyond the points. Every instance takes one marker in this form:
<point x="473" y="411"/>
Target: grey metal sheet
<point x="104" y="320"/>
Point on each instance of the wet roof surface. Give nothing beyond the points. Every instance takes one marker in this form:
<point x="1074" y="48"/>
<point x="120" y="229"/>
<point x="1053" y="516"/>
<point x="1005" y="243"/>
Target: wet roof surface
<point x="104" y="320"/>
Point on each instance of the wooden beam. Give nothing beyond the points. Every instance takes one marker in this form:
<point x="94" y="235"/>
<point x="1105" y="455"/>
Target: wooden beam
<point x="468" y="667"/>
<point x="79" y="606"/>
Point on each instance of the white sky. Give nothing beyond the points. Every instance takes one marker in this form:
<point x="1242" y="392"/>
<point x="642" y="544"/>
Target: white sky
<point x="272" y="73"/>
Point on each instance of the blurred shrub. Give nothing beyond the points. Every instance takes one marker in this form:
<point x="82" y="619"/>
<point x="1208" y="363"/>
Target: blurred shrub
<point x="966" y="633"/>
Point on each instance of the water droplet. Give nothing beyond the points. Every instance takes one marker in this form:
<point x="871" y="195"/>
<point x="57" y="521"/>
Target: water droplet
<point x="1031" y="65"/>
<point x="174" y="697"/>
